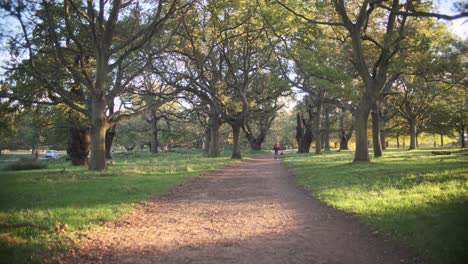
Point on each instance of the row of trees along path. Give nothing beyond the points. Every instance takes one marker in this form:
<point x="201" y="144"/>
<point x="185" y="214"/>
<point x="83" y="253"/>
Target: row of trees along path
<point x="250" y="212"/>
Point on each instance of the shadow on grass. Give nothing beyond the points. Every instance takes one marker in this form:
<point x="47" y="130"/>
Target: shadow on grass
<point x="415" y="196"/>
<point x="437" y="230"/>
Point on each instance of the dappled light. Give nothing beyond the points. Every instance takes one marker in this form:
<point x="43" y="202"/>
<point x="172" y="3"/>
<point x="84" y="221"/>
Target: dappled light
<point x="418" y="197"/>
<point x="249" y="212"/>
<point x="167" y="113"/>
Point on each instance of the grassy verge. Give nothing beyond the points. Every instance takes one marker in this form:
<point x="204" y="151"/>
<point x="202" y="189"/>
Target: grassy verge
<point x="62" y="194"/>
<point x="419" y="198"/>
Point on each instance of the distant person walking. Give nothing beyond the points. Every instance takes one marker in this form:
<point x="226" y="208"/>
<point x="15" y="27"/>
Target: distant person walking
<point x="276" y="148"/>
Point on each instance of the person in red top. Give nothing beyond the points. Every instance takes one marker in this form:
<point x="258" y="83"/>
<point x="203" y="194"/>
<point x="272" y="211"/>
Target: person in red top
<point x="276" y="148"/>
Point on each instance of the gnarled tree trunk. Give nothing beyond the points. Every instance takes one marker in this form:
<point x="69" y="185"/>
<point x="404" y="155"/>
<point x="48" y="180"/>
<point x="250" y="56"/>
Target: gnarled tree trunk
<point x="110" y="135"/>
<point x="413" y="134"/>
<point x="304" y="134"/>
<point x="376" y="140"/>
<point x="236" y="152"/>
<point x="317" y="131"/>
<point x="215" y="149"/>
<point x="207" y="140"/>
<point x="78" y="145"/>
<point x="154" y="143"/>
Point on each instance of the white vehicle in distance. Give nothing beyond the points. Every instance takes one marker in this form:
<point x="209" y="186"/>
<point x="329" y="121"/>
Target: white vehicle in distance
<point x="52" y="154"/>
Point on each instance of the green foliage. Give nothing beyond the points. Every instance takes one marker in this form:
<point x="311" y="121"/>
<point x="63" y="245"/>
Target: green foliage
<point x="26" y="163"/>
<point x="414" y="196"/>
<point x="81" y="198"/>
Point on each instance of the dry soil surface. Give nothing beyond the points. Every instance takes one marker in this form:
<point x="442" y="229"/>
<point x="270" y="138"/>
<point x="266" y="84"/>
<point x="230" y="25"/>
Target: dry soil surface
<point x="246" y="213"/>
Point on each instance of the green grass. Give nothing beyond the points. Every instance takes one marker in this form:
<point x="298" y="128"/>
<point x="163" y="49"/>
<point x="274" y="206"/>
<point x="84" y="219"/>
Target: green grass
<point x="82" y="199"/>
<point x="419" y="198"/>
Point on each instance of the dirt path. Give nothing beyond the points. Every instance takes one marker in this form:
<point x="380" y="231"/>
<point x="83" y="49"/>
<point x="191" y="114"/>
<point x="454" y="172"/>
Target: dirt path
<point x="247" y="213"/>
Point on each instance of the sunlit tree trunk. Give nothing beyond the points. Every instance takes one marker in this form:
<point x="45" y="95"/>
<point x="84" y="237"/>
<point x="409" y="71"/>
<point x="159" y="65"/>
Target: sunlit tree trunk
<point x="360" y="125"/>
<point x="98" y="133"/>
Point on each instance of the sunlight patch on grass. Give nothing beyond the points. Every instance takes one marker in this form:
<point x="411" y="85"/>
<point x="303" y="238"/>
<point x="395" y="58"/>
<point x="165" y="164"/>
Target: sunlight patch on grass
<point x="82" y="199"/>
<point x="417" y="197"/>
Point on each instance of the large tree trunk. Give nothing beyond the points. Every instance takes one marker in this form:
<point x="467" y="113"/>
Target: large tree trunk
<point x="110" y="135"/>
<point x="441" y="140"/>
<point x="299" y="132"/>
<point x="207" y="140"/>
<point x="343" y="135"/>
<point x="462" y="137"/>
<point x="413" y="135"/>
<point x="215" y="150"/>
<point x="254" y="142"/>
<point x="236" y="152"/>
<point x="376" y="140"/>
<point x="304" y="135"/>
<point x="317" y="132"/>
<point x="383" y="142"/>
<point x="327" y="129"/>
<point x="344" y="143"/>
<point x="360" y="125"/>
<point x="154" y="144"/>
<point x="78" y="145"/>
<point x="98" y="133"/>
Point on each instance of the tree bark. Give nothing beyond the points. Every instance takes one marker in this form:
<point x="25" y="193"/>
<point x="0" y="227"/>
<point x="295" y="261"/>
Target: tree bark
<point x="412" y="135"/>
<point x="304" y="134"/>
<point x="236" y="152"/>
<point x="110" y="135"/>
<point x="383" y="141"/>
<point x="343" y="135"/>
<point x="110" y="132"/>
<point x="344" y="143"/>
<point x="327" y="129"/>
<point x="154" y="144"/>
<point x="98" y="133"/>
<point x="78" y="145"/>
<point x="215" y="150"/>
<point x="462" y="137"/>
<point x="360" y="125"/>
<point x="207" y="140"/>
<point x="299" y="133"/>
<point x="376" y="140"/>
<point x="255" y="142"/>
<point x="317" y="132"/>
<point x="441" y="140"/>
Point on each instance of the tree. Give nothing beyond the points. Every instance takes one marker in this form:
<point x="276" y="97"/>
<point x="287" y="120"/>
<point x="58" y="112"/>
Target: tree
<point x="95" y="44"/>
<point x="223" y="48"/>
<point x="372" y="54"/>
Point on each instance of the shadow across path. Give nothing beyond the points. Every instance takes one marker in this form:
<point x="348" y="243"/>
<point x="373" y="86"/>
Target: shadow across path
<point x="245" y="213"/>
